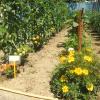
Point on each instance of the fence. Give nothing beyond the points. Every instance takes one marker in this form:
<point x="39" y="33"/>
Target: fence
<point x="86" y="5"/>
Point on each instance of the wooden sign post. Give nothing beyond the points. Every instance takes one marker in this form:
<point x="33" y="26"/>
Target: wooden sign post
<point x="80" y="29"/>
<point x="14" y="60"/>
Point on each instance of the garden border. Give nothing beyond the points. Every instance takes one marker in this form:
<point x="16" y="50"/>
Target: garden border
<point x="26" y="94"/>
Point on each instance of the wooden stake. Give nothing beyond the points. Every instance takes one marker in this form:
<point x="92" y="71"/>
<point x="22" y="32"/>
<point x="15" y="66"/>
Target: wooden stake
<point x="14" y="69"/>
<point x="80" y="30"/>
<point x="27" y="94"/>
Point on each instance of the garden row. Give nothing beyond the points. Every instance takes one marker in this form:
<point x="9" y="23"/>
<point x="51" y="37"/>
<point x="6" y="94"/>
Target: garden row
<point x="77" y="75"/>
<point x="26" y="25"/>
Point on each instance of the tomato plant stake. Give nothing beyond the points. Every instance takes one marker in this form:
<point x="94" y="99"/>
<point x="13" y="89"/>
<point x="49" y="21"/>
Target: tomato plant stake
<point x="80" y="29"/>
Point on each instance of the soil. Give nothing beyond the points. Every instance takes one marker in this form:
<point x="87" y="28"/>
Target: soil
<point x="36" y="73"/>
<point x="96" y="43"/>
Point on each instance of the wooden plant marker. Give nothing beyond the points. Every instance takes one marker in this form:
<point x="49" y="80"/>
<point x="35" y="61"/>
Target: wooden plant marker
<point x="14" y="69"/>
<point x="14" y="60"/>
<point x="80" y="29"/>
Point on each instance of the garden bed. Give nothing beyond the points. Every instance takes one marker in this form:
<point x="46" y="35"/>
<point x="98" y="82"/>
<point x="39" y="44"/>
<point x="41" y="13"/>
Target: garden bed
<point x="38" y="69"/>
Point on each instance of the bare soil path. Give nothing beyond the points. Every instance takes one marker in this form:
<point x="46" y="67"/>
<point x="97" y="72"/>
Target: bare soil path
<point x="96" y="43"/>
<point x="37" y="72"/>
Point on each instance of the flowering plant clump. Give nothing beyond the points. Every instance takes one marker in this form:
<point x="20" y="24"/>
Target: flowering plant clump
<point x="67" y="58"/>
<point x="77" y="78"/>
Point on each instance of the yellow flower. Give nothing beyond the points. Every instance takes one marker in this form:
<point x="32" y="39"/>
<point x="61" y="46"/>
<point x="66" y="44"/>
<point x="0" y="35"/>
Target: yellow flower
<point x="71" y="59"/>
<point x="71" y="52"/>
<point x="78" y="71"/>
<point x="85" y="72"/>
<point x="34" y="38"/>
<point x="63" y="78"/>
<point x="88" y="58"/>
<point x="65" y="89"/>
<point x="35" y="42"/>
<point x="89" y="87"/>
<point x="62" y="59"/>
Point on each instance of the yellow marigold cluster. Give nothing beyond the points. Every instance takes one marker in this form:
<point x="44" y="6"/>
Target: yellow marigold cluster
<point x="88" y="58"/>
<point x="65" y="89"/>
<point x="85" y="72"/>
<point x="71" y="52"/>
<point x="90" y="87"/>
<point x="62" y="59"/>
<point x="80" y="71"/>
<point x="71" y="58"/>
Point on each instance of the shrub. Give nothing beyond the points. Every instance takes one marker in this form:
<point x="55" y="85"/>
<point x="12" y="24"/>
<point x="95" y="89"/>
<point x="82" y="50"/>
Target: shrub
<point x="95" y="22"/>
<point x="20" y="21"/>
<point x="77" y="77"/>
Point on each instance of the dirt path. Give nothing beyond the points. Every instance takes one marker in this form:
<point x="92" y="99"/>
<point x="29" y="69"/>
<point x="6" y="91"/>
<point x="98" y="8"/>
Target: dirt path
<point x="96" y="43"/>
<point x="35" y="79"/>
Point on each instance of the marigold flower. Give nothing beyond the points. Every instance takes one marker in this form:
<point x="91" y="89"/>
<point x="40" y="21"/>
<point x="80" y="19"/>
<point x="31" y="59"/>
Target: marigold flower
<point x="71" y="53"/>
<point x="65" y="89"/>
<point x="89" y="87"/>
<point x="85" y="72"/>
<point x="35" y="42"/>
<point x="71" y="59"/>
<point x="62" y="78"/>
<point x="62" y="59"/>
<point x="88" y="58"/>
<point x="78" y="71"/>
<point x="34" y="38"/>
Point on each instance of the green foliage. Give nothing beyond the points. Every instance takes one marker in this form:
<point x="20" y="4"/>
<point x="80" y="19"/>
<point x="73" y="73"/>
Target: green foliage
<point x="9" y="72"/>
<point x="21" y="20"/>
<point x="72" y="42"/>
<point x="76" y="77"/>
<point x="95" y="22"/>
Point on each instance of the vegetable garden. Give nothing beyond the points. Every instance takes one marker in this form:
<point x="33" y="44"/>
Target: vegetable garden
<point x="27" y="26"/>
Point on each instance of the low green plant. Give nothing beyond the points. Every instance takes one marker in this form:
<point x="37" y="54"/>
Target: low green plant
<point x="23" y="50"/>
<point x="95" y="22"/>
<point x="9" y="72"/>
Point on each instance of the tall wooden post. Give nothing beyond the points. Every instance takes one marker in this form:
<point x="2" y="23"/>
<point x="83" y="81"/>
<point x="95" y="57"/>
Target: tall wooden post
<point x="80" y="29"/>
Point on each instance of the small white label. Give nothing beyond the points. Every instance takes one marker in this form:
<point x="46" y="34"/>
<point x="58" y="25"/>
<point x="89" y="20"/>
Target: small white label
<point x="14" y="58"/>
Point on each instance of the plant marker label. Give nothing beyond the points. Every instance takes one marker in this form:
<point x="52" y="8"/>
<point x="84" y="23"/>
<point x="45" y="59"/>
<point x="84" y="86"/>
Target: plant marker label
<point x="13" y="58"/>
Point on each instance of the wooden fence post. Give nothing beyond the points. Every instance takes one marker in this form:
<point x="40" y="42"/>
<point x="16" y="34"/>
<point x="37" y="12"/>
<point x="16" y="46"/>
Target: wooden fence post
<point x="80" y="29"/>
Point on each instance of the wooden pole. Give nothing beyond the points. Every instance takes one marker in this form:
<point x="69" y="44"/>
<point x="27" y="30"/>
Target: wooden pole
<point x="14" y="69"/>
<point x="80" y="29"/>
<point x="27" y="94"/>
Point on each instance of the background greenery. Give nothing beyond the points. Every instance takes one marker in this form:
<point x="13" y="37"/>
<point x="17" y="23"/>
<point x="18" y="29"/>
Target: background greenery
<point x="21" y="20"/>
